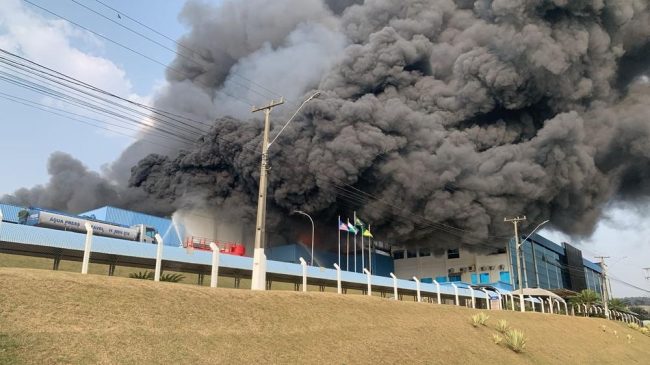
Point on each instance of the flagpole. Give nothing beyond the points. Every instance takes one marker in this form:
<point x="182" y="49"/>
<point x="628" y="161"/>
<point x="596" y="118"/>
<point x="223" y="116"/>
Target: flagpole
<point x="355" y="243"/>
<point x="347" y="248"/>
<point x="369" y="252"/>
<point x="338" y="229"/>
<point x="363" y="264"/>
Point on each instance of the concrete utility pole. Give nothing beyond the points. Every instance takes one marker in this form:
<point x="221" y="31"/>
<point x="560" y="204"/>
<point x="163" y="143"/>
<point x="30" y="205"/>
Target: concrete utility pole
<point x="259" y="259"/>
<point x="258" y="281"/>
<point x="515" y="222"/>
<point x="604" y="284"/>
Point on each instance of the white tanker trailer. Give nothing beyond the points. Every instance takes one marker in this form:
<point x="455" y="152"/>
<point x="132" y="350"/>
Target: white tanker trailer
<point x="139" y="232"/>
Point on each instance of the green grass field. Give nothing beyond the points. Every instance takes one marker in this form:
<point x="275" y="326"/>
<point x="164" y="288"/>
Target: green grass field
<point x="55" y="317"/>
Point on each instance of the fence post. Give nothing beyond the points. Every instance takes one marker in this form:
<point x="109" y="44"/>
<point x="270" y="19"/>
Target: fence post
<point x="159" y="253"/>
<point x="214" y="275"/>
<point x="437" y="291"/>
<point x="339" y="289"/>
<point x="417" y="289"/>
<point x="303" y="263"/>
<point x="550" y="305"/>
<point x="456" y="293"/>
<point x="394" y="286"/>
<point x="87" y="244"/>
<point x="369" y="281"/>
<point x="471" y="292"/>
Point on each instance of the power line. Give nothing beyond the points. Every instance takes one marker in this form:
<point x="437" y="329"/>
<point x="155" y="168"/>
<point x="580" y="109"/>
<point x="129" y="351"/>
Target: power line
<point x="83" y="121"/>
<point x="60" y="79"/>
<point x="158" y="43"/>
<point x="239" y="99"/>
<point x="180" y="45"/>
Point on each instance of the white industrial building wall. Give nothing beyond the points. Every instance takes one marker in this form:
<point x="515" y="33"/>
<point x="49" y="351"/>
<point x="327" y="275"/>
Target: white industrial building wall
<point x="435" y="266"/>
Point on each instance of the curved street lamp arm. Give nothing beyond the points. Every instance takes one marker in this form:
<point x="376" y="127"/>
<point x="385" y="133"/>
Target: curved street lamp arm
<point x="531" y="233"/>
<point x="293" y="116"/>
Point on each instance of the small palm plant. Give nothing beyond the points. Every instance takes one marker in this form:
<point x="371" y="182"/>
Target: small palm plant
<point x="172" y="278"/>
<point x="146" y="275"/>
<point x="515" y="340"/>
<point x="502" y="326"/>
<point x="149" y="275"/>
<point x="479" y="319"/>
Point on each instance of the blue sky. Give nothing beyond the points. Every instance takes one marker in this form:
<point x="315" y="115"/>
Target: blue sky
<point x="29" y="136"/>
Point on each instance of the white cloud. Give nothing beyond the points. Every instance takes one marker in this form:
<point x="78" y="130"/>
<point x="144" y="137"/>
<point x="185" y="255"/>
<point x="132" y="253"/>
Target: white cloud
<point x="623" y="236"/>
<point x="49" y="42"/>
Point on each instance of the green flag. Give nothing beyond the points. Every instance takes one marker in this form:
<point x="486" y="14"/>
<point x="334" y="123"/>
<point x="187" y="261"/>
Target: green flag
<point x="358" y="222"/>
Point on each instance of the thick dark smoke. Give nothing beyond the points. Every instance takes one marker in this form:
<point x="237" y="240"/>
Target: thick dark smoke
<point x="438" y="112"/>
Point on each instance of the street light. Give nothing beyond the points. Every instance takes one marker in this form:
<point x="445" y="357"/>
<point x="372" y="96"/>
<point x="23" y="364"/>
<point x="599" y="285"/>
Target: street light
<point x="523" y="256"/>
<point x="311" y="262"/>
<point x="258" y="280"/>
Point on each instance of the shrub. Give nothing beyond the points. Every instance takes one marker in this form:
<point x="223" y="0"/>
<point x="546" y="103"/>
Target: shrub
<point x="629" y="338"/>
<point x="633" y="326"/>
<point x="502" y="326"/>
<point x="645" y="330"/>
<point x="515" y="340"/>
<point x="496" y="338"/>
<point x="149" y="275"/>
<point x="146" y="275"/>
<point x="479" y="319"/>
<point x="172" y="278"/>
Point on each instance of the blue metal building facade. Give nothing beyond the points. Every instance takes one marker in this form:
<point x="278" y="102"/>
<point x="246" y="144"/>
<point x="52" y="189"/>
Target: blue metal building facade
<point x="547" y="266"/>
<point x="10" y="212"/>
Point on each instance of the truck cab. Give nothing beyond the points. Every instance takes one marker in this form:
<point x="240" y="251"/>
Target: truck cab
<point x="146" y="233"/>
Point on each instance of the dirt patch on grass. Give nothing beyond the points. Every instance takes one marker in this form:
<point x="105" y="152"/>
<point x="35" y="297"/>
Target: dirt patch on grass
<point x="67" y="318"/>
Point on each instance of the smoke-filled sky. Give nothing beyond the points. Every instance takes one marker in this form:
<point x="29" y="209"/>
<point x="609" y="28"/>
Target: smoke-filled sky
<point x="436" y="119"/>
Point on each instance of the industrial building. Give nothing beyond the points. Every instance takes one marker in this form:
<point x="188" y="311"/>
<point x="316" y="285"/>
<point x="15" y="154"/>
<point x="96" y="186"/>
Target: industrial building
<point x="547" y="265"/>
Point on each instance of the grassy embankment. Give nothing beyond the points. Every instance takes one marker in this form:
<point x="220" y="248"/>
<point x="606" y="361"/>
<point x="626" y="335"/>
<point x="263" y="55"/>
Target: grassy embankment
<point x="49" y="317"/>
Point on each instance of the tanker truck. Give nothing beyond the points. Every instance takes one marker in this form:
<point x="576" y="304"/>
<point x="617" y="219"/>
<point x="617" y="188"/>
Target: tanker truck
<point x="64" y="222"/>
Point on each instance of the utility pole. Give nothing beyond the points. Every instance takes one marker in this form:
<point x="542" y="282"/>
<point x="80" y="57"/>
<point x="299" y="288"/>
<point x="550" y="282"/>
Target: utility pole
<point x="515" y="222"/>
<point x="604" y="284"/>
<point x="259" y="258"/>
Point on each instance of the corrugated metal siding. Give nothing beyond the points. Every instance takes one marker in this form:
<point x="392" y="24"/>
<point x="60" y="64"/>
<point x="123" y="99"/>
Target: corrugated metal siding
<point x="99" y="213"/>
<point x="10" y="212"/>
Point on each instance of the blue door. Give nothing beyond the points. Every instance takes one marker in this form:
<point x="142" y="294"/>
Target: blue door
<point x="474" y="279"/>
<point x="485" y="278"/>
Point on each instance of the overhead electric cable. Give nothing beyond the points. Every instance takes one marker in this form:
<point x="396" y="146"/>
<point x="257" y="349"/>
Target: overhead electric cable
<point x="130" y="49"/>
<point x="180" y="45"/>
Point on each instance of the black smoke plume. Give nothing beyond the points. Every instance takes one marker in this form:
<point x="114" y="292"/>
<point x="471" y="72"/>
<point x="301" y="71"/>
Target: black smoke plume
<point x="437" y="118"/>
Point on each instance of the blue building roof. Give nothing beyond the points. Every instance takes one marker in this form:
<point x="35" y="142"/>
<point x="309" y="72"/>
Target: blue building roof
<point x="10" y="212"/>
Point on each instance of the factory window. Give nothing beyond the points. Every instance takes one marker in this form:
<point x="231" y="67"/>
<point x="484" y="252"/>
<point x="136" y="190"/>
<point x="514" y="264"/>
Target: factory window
<point x="425" y="252"/>
<point x="453" y="254"/>
<point x="484" y="278"/>
<point x="454" y="277"/>
<point x="398" y="254"/>
<point x="410" y="254"/>
<point x="441" y="279"/>
<point x="504" y="276"/>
